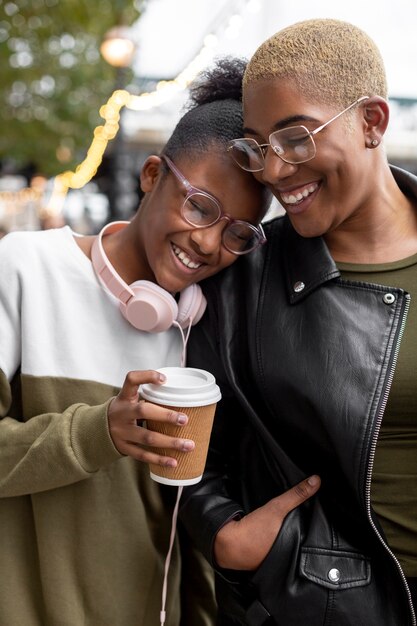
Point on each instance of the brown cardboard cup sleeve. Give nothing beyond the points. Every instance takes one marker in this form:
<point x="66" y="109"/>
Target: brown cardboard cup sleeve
<point x="194" y="392"/>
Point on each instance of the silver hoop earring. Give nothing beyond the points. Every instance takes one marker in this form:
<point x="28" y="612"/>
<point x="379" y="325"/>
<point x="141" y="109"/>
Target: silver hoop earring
<point x="374" y="142"/>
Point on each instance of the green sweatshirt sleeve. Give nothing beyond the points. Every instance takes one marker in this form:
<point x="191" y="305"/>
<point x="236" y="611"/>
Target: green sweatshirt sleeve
<point x="52" y="450"/>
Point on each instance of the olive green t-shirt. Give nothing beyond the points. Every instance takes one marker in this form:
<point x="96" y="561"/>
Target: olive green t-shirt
<point x="394" y="478"/>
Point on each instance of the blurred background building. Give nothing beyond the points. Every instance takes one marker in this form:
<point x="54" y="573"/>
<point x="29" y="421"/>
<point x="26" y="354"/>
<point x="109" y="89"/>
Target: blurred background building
<point x="62" y="60"/>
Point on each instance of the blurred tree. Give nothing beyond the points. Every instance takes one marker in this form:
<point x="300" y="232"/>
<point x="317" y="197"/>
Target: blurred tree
<point x="53" y="78"/>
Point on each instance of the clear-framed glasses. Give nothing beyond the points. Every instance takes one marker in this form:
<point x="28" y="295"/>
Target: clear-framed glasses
<point x="294" y="145"/>
<point x="202" y="210"/>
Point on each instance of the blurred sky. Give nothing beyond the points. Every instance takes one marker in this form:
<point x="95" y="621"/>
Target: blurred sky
<point x="171" y="32"/>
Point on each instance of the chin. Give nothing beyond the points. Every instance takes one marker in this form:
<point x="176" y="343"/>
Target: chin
<point x="308" y="230"/>
<point x="173" y="286"/>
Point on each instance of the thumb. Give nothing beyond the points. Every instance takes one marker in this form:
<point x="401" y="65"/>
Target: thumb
<point x="134" y="379"/>
<point x="299" y="493"/>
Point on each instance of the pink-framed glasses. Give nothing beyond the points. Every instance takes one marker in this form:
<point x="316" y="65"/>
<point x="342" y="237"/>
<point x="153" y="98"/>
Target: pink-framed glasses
<point x="202" y="210"/>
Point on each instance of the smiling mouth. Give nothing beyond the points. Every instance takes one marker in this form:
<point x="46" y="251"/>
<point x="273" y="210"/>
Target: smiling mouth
<point x="299" y="196"/>
<point x="184" y="258"/>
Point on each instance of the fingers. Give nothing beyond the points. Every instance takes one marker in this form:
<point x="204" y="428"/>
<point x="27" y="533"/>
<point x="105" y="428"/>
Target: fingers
<point x="144" y="410"/>
<point x="152" y="412"/>
<point x="299" y="493"/>
<point x="244" y="544"/>
<point x="136" y="378"/>
<point x="126" y="433"/>
<point x="137" y="442"/>
<point x="138" y="435"/>
<point x="127" y="413"/>
<point x="146" y="456"/>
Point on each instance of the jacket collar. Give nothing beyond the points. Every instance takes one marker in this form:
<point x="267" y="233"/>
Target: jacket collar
<point x="308" y="262"/>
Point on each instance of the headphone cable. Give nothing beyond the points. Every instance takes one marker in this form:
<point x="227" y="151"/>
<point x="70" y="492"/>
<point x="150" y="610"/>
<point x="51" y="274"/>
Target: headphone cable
<point x="185" y="338"/>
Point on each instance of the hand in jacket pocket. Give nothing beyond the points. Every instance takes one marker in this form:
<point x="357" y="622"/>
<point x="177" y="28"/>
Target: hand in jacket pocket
<point x="243" y="544"/>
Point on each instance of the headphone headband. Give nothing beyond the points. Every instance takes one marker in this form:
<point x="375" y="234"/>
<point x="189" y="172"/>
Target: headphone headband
<point x="146" y="305"/>
<point x="104" y="269"/>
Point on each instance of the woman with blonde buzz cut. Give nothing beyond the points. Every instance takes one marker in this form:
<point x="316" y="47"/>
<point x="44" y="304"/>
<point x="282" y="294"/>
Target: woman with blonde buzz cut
<point x="308" y="506"/>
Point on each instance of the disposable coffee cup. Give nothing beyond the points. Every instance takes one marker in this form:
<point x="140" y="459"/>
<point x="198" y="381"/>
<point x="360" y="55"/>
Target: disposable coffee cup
<point x="193" y="392"/>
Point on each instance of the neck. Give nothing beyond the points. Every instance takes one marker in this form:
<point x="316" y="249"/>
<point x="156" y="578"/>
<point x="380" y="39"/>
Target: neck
<point x="125" y="253"/>
<point x="381" y="233"/>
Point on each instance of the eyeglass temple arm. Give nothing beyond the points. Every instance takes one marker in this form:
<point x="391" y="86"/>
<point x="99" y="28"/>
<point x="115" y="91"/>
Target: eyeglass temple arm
<point x="261" y="230"/>
<point x="176" y="172"/>
<point x="361" y="99"/>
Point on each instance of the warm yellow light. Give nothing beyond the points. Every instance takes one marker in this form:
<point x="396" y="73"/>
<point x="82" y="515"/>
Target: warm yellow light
<point x="63" y="154"/>
<point x="110" y="112"/>
<point x="117" y="47"/>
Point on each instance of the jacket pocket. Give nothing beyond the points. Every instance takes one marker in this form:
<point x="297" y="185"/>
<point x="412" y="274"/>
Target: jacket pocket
<point x="306" y="580"/>
<point x="335" y="569"/>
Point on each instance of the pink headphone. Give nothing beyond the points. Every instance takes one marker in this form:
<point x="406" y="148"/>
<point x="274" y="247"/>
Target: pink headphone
<point x="145" y="304"/>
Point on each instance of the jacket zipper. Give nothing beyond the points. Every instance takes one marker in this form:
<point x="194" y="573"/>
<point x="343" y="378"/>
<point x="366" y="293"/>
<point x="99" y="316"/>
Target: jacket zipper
<point x="373" y="450"/>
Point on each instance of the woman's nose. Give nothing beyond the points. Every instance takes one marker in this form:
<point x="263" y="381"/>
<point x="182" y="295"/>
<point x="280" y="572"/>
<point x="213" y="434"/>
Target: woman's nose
<point x="275" y="168"/>
<point x="209" y="239"/>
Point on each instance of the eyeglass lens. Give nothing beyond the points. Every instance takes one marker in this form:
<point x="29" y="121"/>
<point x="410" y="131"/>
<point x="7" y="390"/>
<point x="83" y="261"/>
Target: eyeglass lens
<point x="248" y="154"/>
<point x="201" y="211"/>
<point x="293" y="145"/>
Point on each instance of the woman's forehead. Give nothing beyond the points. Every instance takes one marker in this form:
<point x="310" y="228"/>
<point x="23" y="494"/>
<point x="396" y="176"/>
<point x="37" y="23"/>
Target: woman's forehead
<point x="271" y="103"/>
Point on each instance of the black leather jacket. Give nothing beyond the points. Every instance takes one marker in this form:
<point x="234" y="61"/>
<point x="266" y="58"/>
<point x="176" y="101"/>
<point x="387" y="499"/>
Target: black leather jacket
<point x="305" y="361"/>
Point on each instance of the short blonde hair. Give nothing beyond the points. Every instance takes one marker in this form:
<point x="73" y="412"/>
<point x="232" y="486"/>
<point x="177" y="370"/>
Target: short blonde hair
<point x="330" y="61"/>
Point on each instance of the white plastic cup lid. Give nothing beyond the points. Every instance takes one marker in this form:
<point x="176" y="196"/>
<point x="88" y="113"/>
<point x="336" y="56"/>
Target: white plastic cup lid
<point x="184" y="386"/>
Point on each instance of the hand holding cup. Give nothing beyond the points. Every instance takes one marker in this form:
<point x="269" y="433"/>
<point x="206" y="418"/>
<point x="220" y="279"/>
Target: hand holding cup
<point x="127" y="413"/>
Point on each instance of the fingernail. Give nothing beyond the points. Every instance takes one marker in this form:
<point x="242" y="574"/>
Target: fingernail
<point x="181" y="419"/>
<point x="170" y="463"/>
<point x="188" y="445"/>
<point x="162" y="378"/>
<point x="313" y="481"/>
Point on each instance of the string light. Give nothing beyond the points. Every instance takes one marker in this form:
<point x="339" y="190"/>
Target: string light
<point x="20" y="197"/>
<point x="21" y="208"/>
<point x="110" y="112"/>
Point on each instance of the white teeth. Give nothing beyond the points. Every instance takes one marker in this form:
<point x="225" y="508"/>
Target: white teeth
<point x="180" y="254"/>
<point x="295" y="198"/>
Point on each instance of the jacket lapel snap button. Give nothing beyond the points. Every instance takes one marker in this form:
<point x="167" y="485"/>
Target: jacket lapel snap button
<point x="388" y="298"/>
<point x="299" y="286"/>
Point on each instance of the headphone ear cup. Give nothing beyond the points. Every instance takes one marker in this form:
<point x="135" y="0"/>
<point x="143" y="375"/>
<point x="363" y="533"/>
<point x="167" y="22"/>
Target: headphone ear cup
<point x="151" y="309"/>
<point x="191" y="305"/>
